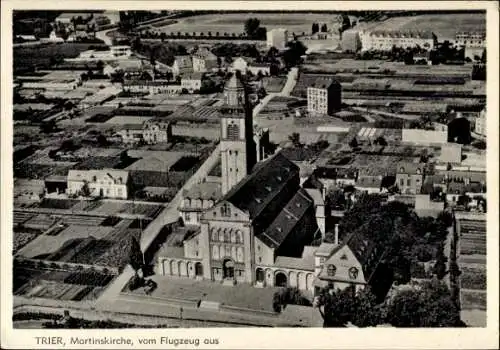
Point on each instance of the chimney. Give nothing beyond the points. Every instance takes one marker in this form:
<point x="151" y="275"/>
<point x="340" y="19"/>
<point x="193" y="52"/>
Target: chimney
<point x="336" y="234"/>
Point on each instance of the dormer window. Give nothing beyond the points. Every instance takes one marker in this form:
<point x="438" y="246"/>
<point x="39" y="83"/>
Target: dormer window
<point x="331" y="270"/>
<point x="401" y="170"/>
<point x="419" y="171"/>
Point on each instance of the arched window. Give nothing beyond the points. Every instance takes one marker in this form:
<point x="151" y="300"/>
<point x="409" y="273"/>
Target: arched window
<point x="239" y="254"/>
<point x="233" y="236"/>
<point x="213" y="234"/>
<point x="221" y="236"/>
<point x="331" y="270"/>
<point x="233" y="132"/>
<point x="215" y="252"/>
<point x="239" y="237"/>
<point x="227" y="235"/>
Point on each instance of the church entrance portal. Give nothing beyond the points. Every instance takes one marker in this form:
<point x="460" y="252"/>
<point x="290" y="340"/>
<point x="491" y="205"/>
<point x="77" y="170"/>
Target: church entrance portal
<point x="228" y="269"/>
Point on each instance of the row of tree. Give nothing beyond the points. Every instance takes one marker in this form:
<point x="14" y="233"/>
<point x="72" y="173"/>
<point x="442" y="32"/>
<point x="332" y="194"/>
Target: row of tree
<point x="427" y="305"/>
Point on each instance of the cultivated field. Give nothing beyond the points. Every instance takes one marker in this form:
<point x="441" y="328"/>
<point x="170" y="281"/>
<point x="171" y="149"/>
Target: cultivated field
<point x="444" y="26"/>
<point x="234" y="22"/>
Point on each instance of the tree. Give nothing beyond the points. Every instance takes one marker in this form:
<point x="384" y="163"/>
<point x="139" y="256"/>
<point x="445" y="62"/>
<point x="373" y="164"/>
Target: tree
<point x="85" y="190"/>
<point x="439" y="268"/>
<point x="101" y="140"/>
<point x="353" y="143"/>
<point x="251" y="27"/>
<point x="293" y="55"/>
<point x="346" y="22"/>
<point x="429" y="305"/>
<point x="315" y="28"/>
<point x="135" y="258"/>
<point x="380" y="141"/>
<point x="295" y="139"/>
<point x="324" y="28"/>
<point x="366" y="311"/>
<point x="338" y="306"/>
<point x="336" y="200"/>
<point x="48" y="127"/>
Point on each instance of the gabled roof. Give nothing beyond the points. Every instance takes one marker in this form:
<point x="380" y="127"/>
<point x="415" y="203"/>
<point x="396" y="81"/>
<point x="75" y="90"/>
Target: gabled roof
<point x="286" y="220"/>
<point x="205" y="190"/>
<point x="410" y="168"/>
<point x="234" y="83"/>
<point x="255" y="192"/>
<point x="183" y="60"/>
<point x="88" y="175"/>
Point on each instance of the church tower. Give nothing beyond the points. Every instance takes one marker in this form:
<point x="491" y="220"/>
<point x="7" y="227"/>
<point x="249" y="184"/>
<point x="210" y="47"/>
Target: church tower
<point x="238" y="150"/>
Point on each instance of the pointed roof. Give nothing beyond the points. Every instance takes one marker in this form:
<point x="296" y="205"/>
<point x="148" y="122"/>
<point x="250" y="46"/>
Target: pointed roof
<point x="234" y="83"/>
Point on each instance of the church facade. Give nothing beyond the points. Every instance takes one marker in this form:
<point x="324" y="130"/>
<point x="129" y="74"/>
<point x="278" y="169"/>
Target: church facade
<point x="261" y="231"/>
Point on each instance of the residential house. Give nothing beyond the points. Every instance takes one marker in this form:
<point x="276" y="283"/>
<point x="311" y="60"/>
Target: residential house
<point x="204" y="61"/>
<point x="182" y="65"/>
<point x="192" y="82"/>
<point x="150" y="133"/>
<point x="277" y="38"/>
<point x="410" y="177"/>
<point x="152" y="87"/>
<point x="107" y="183"/>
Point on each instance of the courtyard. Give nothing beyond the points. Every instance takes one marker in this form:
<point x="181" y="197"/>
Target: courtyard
<point x="240" y="295"/>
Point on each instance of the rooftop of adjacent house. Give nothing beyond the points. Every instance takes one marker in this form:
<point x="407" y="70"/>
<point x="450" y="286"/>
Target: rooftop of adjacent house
<point x="403" y="34"/>
<point x="154" y="160"/>
<point x="324" y="83"/>
<point x="205" y="54"/>
<point x="88" y="175"/>
<point x="257" y="190"/>
<point x="369" y="181"/>
<point x="184" y="60"/>
<point x="193" y="76"/>
<point x="204" y="190"/>
<point x="326" y="249"/>
<point x="287" y="219"/>
<point x="315" y="195"/>
<point x="410" y="168"/>
<point x="305" y="262"/>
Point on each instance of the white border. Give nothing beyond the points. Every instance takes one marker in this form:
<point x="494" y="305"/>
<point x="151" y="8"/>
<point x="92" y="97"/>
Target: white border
<point x="296" y="338"/>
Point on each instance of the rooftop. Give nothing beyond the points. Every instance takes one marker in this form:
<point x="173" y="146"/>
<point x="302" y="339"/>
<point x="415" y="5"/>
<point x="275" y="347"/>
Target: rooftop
<point x="286" y="220"/>
<point x="205" y="190"/>
<point x="254" y="193"/>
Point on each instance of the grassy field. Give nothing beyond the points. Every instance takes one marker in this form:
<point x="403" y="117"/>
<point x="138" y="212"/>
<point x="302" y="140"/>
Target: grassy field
<point x="234" y="22"/>
<point x="444" y="26"/>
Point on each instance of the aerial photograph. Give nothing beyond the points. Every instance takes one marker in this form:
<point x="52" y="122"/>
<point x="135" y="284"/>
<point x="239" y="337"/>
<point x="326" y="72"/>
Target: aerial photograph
<point x="188" y="169"/>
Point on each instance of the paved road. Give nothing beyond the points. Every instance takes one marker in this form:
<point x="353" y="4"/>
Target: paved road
<point x="287" y="89"/>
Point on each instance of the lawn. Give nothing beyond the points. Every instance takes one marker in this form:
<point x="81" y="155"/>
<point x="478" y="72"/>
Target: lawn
<point x="234" y="22"/>
<point x="444" y="26"/>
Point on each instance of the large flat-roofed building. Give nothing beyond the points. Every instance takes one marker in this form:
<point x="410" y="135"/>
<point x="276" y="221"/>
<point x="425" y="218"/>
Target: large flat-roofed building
<point x="351" y="41"/>
<point x="385" y="40"/>
<point x="324" y="97"/>
<point x="424" y="137"/>
<point x="278" y="38"/>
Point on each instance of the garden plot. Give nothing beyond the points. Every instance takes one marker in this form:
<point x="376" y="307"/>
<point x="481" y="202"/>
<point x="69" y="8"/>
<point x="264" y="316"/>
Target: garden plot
<point x="21" y="217"/>
<point x="109" y="207"/>
<point x="234" y="22"/>
<point x="40" y="221"/>
<point x="57" y="284"/>
<point x="148" y="210"/>
<point x="44" y="245"/>
<point x="23" y="236"/>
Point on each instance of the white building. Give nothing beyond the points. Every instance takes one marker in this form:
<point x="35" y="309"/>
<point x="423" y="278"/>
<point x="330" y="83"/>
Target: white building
<point x="152" y="87"/>
<point x="182" y="65"/>
<point x="108" y="183"/>
<point x="385" y="40"/>
<point x="278" y="38"/>
<point x="475" y="39"/>
<point x="324" y="97"/>
<point x="192" y="82"/>
<point x="151" y="133"/>
<point x="204" y="61"/>
<point x="480" y="127"/>
<point x="424" y="137"/>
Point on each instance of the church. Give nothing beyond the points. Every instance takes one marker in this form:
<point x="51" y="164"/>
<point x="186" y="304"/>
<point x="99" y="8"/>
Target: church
<point x="261" y="228"/>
